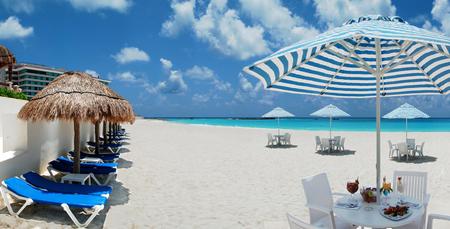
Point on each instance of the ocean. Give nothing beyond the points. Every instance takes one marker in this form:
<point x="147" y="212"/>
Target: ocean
<point x="339" y="124"/>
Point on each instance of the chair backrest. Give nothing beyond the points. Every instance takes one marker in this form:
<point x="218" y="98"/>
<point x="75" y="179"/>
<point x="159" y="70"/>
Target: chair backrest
<point x="337" y="138"/>
<point x="325" y="142"/>
<point x="318" y="193"/>
<point x="296" y="223"/>
<point x="411" y="142"/>
<point x="402" y="148"/>
<point x="414" y="184"/>
<point x="269" y="137"/>
<point x="342" y="141"/>
<point x="390" y="144"/>
<point x="421" y="147"/>
<point x="318" y="140"/>
<point x="431" y="218"/>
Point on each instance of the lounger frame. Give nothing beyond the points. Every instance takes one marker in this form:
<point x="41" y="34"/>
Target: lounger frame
<point x="109" y="177"/>
<point x="28" y="201"/>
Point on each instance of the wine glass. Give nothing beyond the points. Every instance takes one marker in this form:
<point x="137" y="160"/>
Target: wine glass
<point x="352" y="187"/>
<point x="400" y="190"/>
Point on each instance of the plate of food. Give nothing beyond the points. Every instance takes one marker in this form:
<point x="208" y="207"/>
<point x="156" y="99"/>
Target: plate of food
<point x="396" y="213"/>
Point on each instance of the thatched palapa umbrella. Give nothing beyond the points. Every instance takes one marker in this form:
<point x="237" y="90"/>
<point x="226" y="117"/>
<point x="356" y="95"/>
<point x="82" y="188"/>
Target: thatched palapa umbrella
<point x="78" y="97"/>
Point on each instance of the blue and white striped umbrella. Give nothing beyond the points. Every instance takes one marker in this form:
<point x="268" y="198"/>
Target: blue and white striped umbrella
<point x="406" y="111"/>
<point x="330" y="111"/>
<point x="367" y="57"/>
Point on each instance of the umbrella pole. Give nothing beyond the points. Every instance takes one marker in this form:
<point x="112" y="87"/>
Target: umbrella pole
<point x="406" y="119"/>
<point x="278" y="121"/>
<point x="378" y="113"/>
<point x="110" y="133"/>
<point x="76" y="142"/>
<point x="97" y="137"/>
<point x="330" y="126"/>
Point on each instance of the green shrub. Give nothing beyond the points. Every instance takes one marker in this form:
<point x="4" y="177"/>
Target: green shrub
<point x="5" y="92"/>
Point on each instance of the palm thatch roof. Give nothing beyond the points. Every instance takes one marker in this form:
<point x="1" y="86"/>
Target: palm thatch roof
<point x="6" y="57"/>
<point x="77" y="96"/>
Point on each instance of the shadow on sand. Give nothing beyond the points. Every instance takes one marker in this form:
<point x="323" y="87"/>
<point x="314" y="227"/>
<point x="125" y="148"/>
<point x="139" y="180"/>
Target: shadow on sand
<point x="415" y="160"/>
<point x="281" y="146"/>
<point x="336" y="152"/>
<point x="124" y="164"/>
<point x="56" y="215"/>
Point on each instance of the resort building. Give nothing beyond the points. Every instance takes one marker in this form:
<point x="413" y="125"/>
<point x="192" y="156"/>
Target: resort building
<point x="32" y="78"/>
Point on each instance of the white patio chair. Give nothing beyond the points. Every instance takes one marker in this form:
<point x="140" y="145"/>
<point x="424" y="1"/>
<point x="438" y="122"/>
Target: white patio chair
<point x="287" y="139"/>
<point x="342" y="144"/>
<point x="319" y="200"/>
<point x="271" y="140"/>
<point x="419" y="150"/>
<point x="432" y="217"/>
<point x="296" y="223"/>
<point x="319" y="143"/>
<point x="411" y="142"/>
<point x="337" y="142"/>
<point x="415" y="187"/>
<point x="403" y="151"/>
<point x="393" y="148"/>
<point x="325" y="144"/>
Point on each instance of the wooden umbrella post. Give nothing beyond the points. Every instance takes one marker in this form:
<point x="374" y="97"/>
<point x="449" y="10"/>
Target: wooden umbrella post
<point x="110" y="133"/>
<point x="76" y="142"/>
<point x="104" y="135"/>
<point x="97" y="137"/>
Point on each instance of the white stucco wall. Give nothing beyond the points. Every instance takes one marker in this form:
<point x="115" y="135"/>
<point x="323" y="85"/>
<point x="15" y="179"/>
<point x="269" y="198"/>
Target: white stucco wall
<point x="30" y="146"/>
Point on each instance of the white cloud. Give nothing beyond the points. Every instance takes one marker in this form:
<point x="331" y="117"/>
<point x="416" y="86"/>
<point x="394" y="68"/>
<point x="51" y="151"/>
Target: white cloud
<point x="18" y="6"/>
<point x="125" y="77"/>
<point x="173" y="85"/>
<point x="441" y="13"/>
<point x="167" y="64"/>
<point x="267" y="99"/>
<point x="335" y="12"/>
<point x="94" y="5"/>
<point x="247" y="90"/>
<point x="200" y="73"/>
<point x="220" y="27"/>
<point x="183" y="15"/>
<point x="92" y="73"/>
<point x="200" y="98"/>
<point x="204" y="73"/>
<point x="11" y="28"/>
<point x="131" y="54"/>
<point x="283" y="26"/>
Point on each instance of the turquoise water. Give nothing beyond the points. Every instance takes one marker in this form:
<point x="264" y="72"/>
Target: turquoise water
<point x="343" y="124"/>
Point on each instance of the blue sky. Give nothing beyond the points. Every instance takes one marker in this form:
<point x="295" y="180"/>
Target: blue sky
<point x="185" y="57"/>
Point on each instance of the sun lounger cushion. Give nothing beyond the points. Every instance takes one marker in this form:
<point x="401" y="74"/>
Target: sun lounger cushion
<point x="97" y="165"/>
<point x="104" y="157"/>
<point x="22" y="188"/>
<point x="68" y="168"/>
<point x="49" y="185"/>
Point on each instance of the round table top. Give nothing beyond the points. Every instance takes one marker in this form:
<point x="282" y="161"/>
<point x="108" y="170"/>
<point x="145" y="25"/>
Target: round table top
<point x="373" y="218"/>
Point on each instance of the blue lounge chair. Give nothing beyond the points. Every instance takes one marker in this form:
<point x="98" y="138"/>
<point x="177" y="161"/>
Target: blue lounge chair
<point x="21" y="190"/>
<point x="66" y="166"/>
<point x="51" y="186"/>
<point x="105" y="157"/>
<point x="113" y="147"/>
<point x="84" y="164"/>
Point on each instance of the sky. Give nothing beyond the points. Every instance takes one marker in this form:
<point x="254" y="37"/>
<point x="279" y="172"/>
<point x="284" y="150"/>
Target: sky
<point x="184" y="58"/>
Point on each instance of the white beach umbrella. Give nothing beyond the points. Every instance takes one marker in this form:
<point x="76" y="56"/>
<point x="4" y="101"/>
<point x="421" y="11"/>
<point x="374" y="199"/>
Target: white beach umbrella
<point x="331" y="111"/>
<point x="278" y="113"/>
<point x="367" y="57"/>
<point x="406" y="111"/>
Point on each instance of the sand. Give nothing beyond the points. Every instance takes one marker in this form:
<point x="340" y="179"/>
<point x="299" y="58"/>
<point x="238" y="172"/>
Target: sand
<point x="191" y="176"/>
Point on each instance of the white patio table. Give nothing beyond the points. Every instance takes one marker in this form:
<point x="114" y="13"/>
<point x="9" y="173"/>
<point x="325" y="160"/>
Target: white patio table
<point x="368" y="215"/>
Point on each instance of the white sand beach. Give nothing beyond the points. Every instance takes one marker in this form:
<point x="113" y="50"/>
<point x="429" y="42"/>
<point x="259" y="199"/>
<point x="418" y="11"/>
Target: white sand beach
<point x="191" y="176"/>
